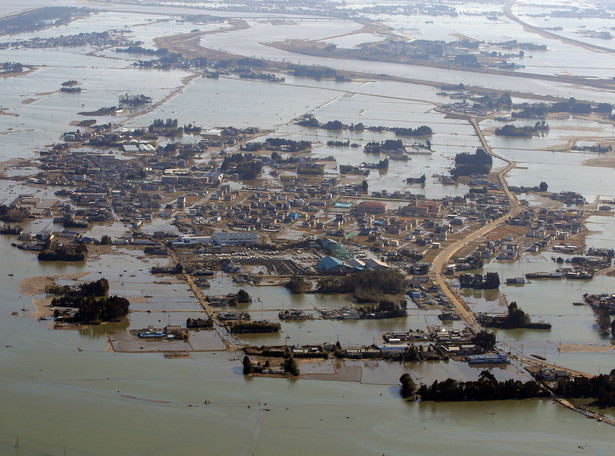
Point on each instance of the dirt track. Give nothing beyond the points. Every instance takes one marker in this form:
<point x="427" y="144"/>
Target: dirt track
<point x="445" y="255"/>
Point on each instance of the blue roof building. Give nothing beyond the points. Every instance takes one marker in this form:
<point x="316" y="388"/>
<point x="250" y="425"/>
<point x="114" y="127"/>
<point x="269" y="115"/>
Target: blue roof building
<point x="330" y="264"/>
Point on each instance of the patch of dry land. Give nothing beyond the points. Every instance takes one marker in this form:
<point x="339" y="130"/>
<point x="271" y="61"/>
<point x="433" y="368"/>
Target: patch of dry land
<point x="36" y="285"/>
<point x="584" y="348"/>
<point x="604" y="161"/>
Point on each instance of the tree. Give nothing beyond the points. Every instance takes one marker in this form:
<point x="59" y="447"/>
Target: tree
<point x="98" y="287"/>
<point x="247" y="366"/>
<point x="408" y="387"/>
<point x="179" y="268"/>
<point x="243" y="297"/>
<point x="485" y="340"/>
<point x="492" y="281"/>
<point x="543" y="187"/>
<point x="486" y="376"/>
<point x="81" y="248"/>
<point x="364" y="185"/>
<point x="297" y="285"/>
<point x="291" y="366"/>
<point x="505" y="100"/>
<point x="517" y="318"/>
<point x="604" y="108"/>
<point x="105" y="240"/>
<point x="114" y="308"/>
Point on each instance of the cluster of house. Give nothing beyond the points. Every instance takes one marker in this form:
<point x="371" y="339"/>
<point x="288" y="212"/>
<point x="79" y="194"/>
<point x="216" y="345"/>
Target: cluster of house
<point x="107" y="183"/>
<point x="501" y="249"/>
<point x="570" y="198"/>
<point x="604" y="302"/>
<point x="550" y="374"/>
<point x="170" y="332"/>
<point x="436" y="343"/>
<point x="550" y="226"/>
<point x="37" y="241"/>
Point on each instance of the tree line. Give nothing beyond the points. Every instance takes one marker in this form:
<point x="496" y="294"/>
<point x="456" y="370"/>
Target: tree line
<point x="490" y="281"/>
<point x="486" y="388"/>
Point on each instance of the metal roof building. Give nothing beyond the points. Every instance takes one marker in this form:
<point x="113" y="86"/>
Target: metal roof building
<point x="233" y="239"/>
<point x="330" y="264"/>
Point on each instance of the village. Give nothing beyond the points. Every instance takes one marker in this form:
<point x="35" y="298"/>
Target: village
<point x="267" y="215"/>
<point x="322" y="220"/>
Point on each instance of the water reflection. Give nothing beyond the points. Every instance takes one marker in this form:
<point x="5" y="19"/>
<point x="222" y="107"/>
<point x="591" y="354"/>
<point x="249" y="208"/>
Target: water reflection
<point x="101" y="331"/>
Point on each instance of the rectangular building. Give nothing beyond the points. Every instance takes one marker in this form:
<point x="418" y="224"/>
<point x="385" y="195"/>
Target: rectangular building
<point x="234" y="239"/>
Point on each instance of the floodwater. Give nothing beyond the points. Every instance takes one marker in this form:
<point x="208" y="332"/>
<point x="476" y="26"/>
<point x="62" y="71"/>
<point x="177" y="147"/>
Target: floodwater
<point x="145" y="404"/>
<point x="63" y="392"/>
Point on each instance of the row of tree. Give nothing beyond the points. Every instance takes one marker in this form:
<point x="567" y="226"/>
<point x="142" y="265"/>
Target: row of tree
<point x="387" y="146"/>
<point x="486" y="388"/>
<point x="526" y="131"/>
<point x="489" y="281"/>
<point x="601" y="387"/>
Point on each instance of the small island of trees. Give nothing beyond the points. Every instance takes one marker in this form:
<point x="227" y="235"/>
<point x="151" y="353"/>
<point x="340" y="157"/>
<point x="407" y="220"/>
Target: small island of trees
<point x="309" y="120"/>
<point x="600" y="388"/>
<point x="489" y="281"/>
<point x="486" y="388"/>
<point x="515" y="319"/>
<point x="90" y="302"/>
<point x="245" y="327"/>
<point x="523" y="132"/>
<point x="408" y="387"/>
<point x="63" y="252"/>
<point x="390" y="146"/>
<point x="467" y="164"/>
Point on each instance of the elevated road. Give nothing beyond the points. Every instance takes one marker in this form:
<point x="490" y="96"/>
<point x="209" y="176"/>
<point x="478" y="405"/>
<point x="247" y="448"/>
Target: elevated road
<point x="446" y="254"/>
<point x="225" y="336"/>
<point x="548" y="34"/>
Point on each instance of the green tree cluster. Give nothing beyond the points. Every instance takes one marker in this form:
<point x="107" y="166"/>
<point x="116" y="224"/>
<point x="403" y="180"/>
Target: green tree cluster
<point x="423" y="130"/>
<point x="486" y="388"/>
<point x="526" y="131"/>
<point x="387" y="146"/>
<point x="485" y="340"/>
<point x="247" y="366"/>
<point x="291" y="366"/>
<point x="297" y="285"/>
<point x="480" y="157"/>
<point x="600" y="387"/>
<point x="245" y="327"/>
<point x="489" y="281"/>
<point x="243" y="297"/>
<point x="92" y="310"/>
<point x="408" y="387"/>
